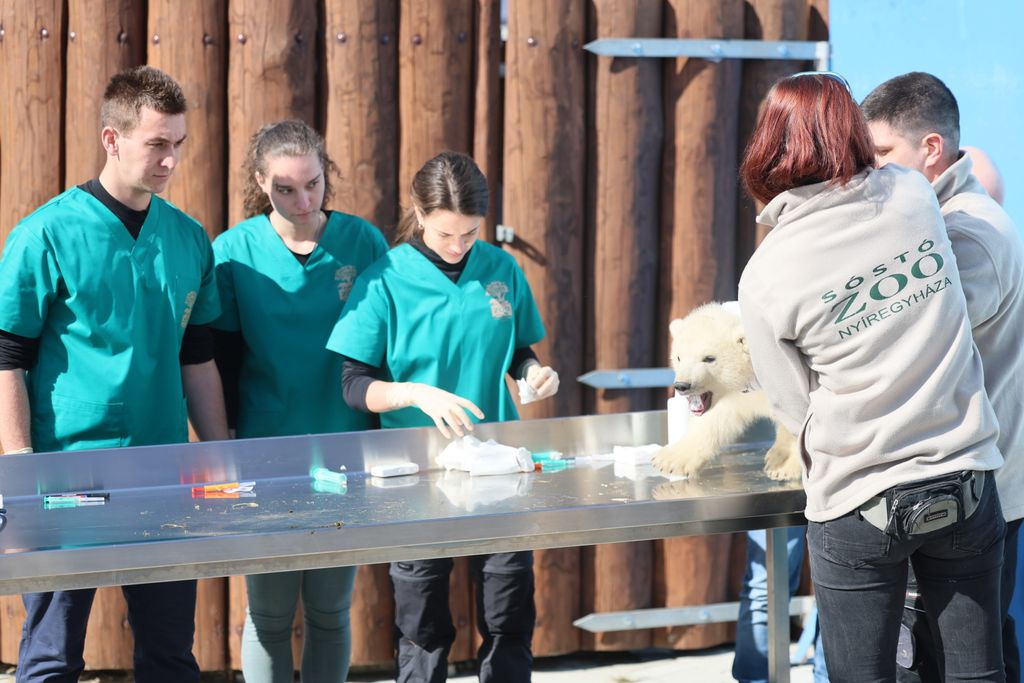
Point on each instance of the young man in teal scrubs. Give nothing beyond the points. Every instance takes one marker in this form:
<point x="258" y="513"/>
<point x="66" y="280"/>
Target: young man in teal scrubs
<point x="105" y="294"/>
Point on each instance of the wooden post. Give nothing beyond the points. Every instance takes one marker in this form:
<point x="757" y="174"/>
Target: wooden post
<point x="763" y="20"/>
<point x="435" y="83"/>
<point x="622" y="228"/>
<point x="31" y="77"/>
<point x="271" y="69"/>
<point x="188" y="39"/>
<point x="372" y="617"/>
<point x="361" y="110"/>
<point x="461" y="604"/>
<point x="31" y="74"/>
<point x="543" y="191"/>
<point x="699" y="191"/>
<point x="108" y="640"/>
<point x="237" y="602"/>
<point x="818" y="20"/>
<point x="211" y="639"/>
<point x="12" y="616"/>
<point x="103" y="38"/>
<point x="623" y="210"/>
<point x="487" y="104"/>
<point x="544" y="172"/>
<point x="698" y="252"/>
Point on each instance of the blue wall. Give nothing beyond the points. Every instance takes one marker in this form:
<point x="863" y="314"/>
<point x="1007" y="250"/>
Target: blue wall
<point x="975" y="46"/>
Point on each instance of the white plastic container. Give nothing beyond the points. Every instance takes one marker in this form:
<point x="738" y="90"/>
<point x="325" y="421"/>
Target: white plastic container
<point x="678" y="417"/>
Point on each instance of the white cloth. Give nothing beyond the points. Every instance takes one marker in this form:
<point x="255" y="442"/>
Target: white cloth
<point x="469" y="454"/>
<point x="527" y="394"/>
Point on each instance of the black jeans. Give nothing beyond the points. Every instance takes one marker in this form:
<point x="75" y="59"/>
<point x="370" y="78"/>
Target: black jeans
<point x="424" y="632"/>
<point x="162" y="617"/>
<point x="860" y="580"/>
<point x="919" y="661"/>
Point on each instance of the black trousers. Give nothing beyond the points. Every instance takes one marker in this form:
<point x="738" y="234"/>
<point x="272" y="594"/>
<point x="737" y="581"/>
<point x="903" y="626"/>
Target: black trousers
<point x="918" y="653"/>
<point x="424" y="632"/>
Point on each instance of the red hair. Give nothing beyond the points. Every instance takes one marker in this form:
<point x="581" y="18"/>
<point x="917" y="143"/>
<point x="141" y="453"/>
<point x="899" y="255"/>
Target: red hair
<point x="810" y="130"/>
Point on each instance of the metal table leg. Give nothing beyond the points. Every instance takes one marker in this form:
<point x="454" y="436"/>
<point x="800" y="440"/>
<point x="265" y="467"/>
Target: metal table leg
<point x="778" y="603"/>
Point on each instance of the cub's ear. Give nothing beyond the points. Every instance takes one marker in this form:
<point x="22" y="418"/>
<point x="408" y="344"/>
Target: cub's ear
<point x="741" y="339"/>
<point x="676" y="327"/>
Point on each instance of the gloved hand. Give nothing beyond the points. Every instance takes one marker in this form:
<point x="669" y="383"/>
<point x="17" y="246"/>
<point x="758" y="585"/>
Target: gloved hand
<point x="444" y="408"/>
<point x="543" y="380"/>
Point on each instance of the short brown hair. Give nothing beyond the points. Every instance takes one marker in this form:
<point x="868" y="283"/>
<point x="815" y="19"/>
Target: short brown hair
<point x="914" y="105"/>
<point x="810" y="130"/>
<point x="131" y="90"/>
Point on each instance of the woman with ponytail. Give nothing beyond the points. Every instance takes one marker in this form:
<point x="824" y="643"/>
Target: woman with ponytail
<point x="428" y="334"/>
<point x="284" y="274"/>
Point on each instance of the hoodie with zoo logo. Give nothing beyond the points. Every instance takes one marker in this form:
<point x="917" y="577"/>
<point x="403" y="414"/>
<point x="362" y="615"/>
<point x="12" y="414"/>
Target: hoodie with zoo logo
<point x="858" y="332"/>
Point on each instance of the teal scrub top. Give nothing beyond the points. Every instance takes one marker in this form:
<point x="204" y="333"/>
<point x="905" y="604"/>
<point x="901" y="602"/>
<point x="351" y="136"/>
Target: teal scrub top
<point x="406" y="317"/>
<point x="290" y="383"/>
<point x="109" y="312"/>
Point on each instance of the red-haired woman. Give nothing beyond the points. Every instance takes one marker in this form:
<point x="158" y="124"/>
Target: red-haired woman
<point x="858" y="331"/>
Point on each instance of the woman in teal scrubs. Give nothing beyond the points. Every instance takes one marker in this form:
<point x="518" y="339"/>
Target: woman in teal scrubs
<point x="429" y="333"/>
<point x="284" y="274"/>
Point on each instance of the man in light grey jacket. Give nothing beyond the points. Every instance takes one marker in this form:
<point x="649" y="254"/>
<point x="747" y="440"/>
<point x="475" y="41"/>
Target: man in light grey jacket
<point x="915" y="122"/>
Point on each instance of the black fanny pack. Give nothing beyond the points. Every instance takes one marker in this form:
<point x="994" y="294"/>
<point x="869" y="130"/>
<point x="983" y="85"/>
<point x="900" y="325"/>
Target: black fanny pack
<point x="922" y="507"/>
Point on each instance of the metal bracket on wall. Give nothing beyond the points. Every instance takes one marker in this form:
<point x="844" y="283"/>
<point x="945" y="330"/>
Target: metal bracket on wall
<point x="820" y="52"/>
<point x="665" y="617"/>
<point x="504" y="233"/>
<point x="629" y="378"/>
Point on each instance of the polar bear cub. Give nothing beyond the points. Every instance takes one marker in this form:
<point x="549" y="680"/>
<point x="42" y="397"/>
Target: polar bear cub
<point x="712" y="369"/>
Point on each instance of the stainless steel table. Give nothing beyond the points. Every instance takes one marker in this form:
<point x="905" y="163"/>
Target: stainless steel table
<point x="153" y="529"/>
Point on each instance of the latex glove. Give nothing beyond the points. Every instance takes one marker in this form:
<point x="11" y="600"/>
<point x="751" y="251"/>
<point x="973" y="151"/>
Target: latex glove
<point x="543" y="380"/>
<point x="446" y="409"/>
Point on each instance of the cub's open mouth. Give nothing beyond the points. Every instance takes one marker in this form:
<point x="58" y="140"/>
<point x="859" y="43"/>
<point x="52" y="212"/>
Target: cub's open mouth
<point x="699" y="403"/>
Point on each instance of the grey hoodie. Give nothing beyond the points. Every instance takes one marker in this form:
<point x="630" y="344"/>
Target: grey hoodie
<point x="990" y="258"/>
<point x="858" y="332"/>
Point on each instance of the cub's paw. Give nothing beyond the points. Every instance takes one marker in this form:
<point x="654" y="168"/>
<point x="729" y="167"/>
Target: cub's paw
<point x="776" y="457"/>
<point x="782" y="464"/>
<point x="679" y="461"/>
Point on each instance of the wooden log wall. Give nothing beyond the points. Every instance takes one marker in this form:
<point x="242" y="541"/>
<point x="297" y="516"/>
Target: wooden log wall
<point x="435" y="94"/>
<point x="196" y="52"/>
<point x="765" y="20"/>
<point x="103" y="38"/>
<point x="487" y="104"/>
<point x="544" y="171"/>
<point x="625" y="135"/>
<point x="31" y="156"/>
<point x="360" y="110"/>
<point x="271" y="75"/>
<point x="698" y="256"/>
<point x="618" y="177"/>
